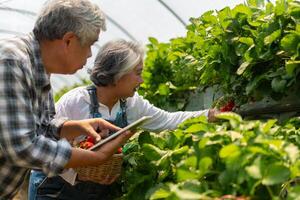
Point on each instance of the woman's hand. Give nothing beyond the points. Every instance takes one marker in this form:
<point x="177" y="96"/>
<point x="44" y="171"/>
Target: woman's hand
<point x="212" y="114"/>
<point x="96" y="128"/>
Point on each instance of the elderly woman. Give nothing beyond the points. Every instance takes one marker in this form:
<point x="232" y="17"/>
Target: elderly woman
<point x="116" y="76"/>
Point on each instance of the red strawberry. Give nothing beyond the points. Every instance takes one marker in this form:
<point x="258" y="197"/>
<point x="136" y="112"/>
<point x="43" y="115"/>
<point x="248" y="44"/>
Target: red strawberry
<point x="223" y="109"/>
<point x="230" y="105"/>
<point x="90" y="139"/>
<point x="119" y="150"/>
<point x="227" y="107"/>
<point x="88" y="145"/>
<point x="85" y="144"/>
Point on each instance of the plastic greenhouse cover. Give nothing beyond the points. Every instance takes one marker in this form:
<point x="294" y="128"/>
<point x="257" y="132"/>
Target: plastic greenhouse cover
<point x="127" y="19"/>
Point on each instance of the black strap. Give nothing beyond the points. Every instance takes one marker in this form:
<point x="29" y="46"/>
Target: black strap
<point x="123" y="108"/>
<point x="94" y="106"/>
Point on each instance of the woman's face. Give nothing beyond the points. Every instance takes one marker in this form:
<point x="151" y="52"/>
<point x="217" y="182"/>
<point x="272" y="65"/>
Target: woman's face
<point x="128" y="84"/>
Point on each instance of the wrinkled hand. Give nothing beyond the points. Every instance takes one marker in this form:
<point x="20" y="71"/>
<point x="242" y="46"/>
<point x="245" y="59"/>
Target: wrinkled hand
<point x="212" y="114"/>
<point x="111" y="147"/>
<point x="81" y="157"/>
<point x="95" y="128"/>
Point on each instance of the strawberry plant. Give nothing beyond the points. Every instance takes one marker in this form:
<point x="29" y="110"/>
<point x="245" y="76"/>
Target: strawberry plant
<point x="250" y="51"/>
<point x="200" y="160"/>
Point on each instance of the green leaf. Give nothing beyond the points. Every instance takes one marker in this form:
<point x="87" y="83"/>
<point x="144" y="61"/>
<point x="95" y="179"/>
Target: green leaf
<point x="275" y="174"/>
<point x="229" y="151"/>
<point x="163" y="89"/>
<point x="280" y="7"/>
<point x="185" y="174"/>
<point x="292" y="151"/>
<point x="164" y="162"/>
<point x="204" y="165"/>
<point x="278" y="84"/>
<point x="209" y="18"/>
<point x="144" y="138"/>
<point x="158" y="140"/>
<point x="230" y="116"/>
<point x="151" y="152"/>
<point x="242" y="9"/>
<point x="254" y="170"/>
<point x="242" y="68"/>
<point x="290" y="43"/>
<point x="185" y="193"/>
<point x="290" y="66"/>
<point x="192" y="185"/>
<point x="256" y="149"/>
<point x="256" y="3"/>
<point x="294" y="8"/>
<point x="227" y="176"/>
<point x="129" y="147"/>
<point x="267" y="126"/>
<point x="191" y="161"/>
<point x="160" y="191"/>
<point x="195" y="128"/>
<point x="153" y="40"/>
<point x="294" y="193"/>
<point x="233" y="118"/>
<point x="246" y="40"/>
<point x="173" y="139"/>
<point x="181" y="151"/>
<point x="272" y="37"/>
<point x="252" y="85"/>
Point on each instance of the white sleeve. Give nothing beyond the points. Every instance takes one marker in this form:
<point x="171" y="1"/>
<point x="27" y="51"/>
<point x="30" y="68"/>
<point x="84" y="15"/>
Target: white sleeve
<point x="62" y="107"/>
<point x="73" y="105"/>
<point x="161" y="119"/>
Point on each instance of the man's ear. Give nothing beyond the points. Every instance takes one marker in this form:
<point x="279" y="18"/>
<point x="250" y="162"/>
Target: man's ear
<point x="68" y="38"/>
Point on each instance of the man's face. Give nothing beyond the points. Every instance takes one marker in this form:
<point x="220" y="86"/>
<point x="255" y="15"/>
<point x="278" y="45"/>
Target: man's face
<point x="76" y="54"/>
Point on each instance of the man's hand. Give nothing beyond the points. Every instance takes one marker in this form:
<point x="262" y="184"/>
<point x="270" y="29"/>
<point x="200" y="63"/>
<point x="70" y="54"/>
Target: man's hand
<point x="112" y="146"/>
<point x="95" y="127"/>
<point x="83" y="158"/>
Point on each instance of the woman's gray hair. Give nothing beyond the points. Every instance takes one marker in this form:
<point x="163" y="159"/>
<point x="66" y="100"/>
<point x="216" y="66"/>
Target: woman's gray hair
<point x="115" y="59"/>
<point x="58" y="17"/>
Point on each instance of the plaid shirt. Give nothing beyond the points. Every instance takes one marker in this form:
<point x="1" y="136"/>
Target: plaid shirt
<point x="28" y="133"/>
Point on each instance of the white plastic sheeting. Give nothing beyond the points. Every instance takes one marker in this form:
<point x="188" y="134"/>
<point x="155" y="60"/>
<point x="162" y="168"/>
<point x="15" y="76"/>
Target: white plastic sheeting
<point x="128" y="19"/>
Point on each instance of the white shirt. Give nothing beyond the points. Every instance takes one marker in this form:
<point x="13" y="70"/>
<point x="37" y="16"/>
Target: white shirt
<point x="75" y="105"/>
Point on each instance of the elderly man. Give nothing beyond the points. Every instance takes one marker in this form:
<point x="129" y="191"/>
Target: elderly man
<point x="29" y="136"/>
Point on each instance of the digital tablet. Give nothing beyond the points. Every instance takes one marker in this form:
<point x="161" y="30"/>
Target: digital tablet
<point x="131" y="126"/>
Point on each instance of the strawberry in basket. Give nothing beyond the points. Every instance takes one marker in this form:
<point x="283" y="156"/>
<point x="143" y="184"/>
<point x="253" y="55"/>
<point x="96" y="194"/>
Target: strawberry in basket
<point x="119" y="150"/>
<point x="87" y="143"/>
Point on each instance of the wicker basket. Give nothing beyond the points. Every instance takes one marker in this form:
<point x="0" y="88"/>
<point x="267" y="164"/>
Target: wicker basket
<point x="109" y="169"/>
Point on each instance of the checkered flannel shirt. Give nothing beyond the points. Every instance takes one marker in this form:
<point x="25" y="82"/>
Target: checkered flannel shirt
<point x="28" y="132"/>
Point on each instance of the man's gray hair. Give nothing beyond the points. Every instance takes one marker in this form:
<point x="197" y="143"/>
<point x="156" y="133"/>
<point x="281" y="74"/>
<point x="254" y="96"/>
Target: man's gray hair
<point x="115" y="59"/>
<point x="58" y="17"/>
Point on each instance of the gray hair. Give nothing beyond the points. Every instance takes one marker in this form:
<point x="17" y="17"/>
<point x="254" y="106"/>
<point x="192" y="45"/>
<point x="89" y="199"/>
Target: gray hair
<point x="58" y="17"/>
<point x="115" y="59"/>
